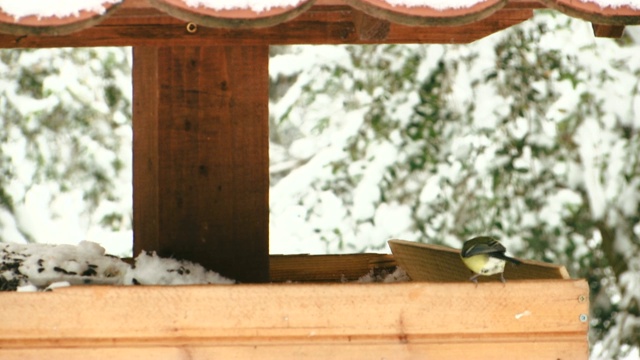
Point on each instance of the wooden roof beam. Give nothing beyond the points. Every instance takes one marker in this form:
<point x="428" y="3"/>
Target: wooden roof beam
<point x="369" y="27"/>
<point x="136" y="23"/>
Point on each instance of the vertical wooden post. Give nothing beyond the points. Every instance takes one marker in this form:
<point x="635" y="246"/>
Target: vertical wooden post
<point x="200" y="156"/>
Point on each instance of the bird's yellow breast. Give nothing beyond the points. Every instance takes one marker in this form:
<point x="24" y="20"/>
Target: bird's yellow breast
<point x="484" y="264"/>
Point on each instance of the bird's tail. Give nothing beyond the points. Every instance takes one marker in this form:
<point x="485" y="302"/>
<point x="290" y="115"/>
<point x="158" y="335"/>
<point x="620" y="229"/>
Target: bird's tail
<point x="506" y="258"/>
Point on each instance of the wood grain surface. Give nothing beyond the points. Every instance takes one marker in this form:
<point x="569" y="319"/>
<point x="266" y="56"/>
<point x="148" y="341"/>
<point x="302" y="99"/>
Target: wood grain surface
<point x="529" y="319"/>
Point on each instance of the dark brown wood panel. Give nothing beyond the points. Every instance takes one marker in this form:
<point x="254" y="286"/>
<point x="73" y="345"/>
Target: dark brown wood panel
<point x="328" y="268"/>
<point x="610" y="31"/>
<point x="145" y="149"/>
<point x="369" y="27"/>
<point x="201" y="157"/>
<point x="319" y="25"/>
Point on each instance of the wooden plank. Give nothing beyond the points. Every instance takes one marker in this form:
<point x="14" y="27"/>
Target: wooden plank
<point x="607" y="31"/>
<point x="206" y="172"/>
<point x="623" y="14"/>
<point x="535" y="311"/>
<point x="322" y="24"/>
<point x="325" y="268"/>
<point x="53" y="25"/>
<point x="523" y="4"/>
<point x="146" y="197"/>
<point x="428" y="262"/>
<point x="369" y="27"/>
<point x="402" y="348"/>
<point x="232" y="18"/>
<point x="426" y="15"/>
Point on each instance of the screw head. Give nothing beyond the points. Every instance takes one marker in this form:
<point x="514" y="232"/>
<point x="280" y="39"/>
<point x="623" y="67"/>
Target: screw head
<point x="192" y="27"/>
<point x="583" y="317"/>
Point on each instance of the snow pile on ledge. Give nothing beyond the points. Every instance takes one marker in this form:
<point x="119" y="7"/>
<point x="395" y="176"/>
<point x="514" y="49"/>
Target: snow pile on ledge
<point x="436" y="4"/>
<point x="397" y="275"/>
<point x="254" y="5"/>
<point x="30" y="267"/>
<point x="463" y="4"/>
<point x="614" y="4"/>
<point x="150" y="269"/>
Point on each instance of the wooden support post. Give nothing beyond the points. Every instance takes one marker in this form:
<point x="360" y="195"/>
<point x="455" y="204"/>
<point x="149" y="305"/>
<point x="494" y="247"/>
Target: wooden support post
<point x="200" y="153"/>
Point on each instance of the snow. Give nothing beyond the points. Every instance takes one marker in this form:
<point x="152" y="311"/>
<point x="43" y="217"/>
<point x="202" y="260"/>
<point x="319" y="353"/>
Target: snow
<point x="367" y="193"/>
<point x="43" y="225"/>
<point x="486" y="112"/>
<point x="67" y="8"/>
<point x="431" y="190"/>
<point x="150" y="269"/>
<point x="57" y="8"/>
<point x="41" y="212"/>
<point x="589" y="136"/>
<point x="397" y="275"/>
<point x="436" y="4"/>
<point x="31" y="267"/>
<point x="392" y="220"/>
<point x="42" y="264"/>
<point x="254" y="5"/>
<point x="614" y="4"/>
<point x="38" y="267"/>
<point x="557" y="205"/>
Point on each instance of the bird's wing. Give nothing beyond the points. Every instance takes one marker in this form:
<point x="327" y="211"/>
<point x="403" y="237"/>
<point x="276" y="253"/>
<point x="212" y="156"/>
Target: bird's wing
<point x="491" y="247"/>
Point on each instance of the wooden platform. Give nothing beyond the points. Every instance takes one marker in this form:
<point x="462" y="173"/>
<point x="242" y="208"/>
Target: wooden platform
<point x="534" y="319"/>
<point x="310" y="313"/>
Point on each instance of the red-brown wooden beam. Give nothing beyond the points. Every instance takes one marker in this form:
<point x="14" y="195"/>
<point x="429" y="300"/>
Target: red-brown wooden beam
<point x="607" y="31"/>
<point x="327" y="22"/>
<point x="200" y="156"/>
<point x="370" y="28"/>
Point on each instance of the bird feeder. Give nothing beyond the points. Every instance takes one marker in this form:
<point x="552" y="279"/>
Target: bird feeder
<point x="201" y="188"/>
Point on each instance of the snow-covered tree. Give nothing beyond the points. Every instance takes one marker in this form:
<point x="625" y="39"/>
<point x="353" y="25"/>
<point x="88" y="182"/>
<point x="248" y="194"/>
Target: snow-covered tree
<point x="65" y="140"/>
<point x="531" y="135"/>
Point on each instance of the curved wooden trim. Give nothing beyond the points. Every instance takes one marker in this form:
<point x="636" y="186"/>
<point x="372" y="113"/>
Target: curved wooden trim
<point x="427" y="16"/>
<point x="236" y="18"/>
<point x="53" y="25"/>
<point x="590" y="11"/>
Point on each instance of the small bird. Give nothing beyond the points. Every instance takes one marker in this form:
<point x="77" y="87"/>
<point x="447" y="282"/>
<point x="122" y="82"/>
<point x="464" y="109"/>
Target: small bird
<point x="484" y="255"/>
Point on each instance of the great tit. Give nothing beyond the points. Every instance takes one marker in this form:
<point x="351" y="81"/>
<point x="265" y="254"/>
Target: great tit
<point x="484" y="255"/>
